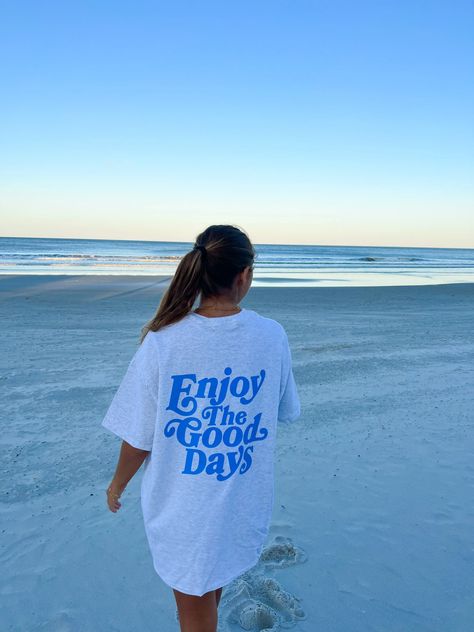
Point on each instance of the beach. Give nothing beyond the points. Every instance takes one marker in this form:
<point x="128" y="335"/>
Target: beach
<point x="373" y="514"/>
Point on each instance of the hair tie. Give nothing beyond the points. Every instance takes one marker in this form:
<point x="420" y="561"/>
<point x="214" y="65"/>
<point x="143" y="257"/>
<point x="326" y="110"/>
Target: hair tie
<point x="200" y="247"/>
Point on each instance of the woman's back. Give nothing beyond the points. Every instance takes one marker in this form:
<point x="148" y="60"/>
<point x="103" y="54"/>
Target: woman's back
<point x="204" y="395"/>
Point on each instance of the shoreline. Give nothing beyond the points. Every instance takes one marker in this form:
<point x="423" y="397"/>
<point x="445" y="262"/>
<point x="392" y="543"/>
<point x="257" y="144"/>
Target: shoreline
<point x="12" y="285"/>
<point x="324" y="279"/>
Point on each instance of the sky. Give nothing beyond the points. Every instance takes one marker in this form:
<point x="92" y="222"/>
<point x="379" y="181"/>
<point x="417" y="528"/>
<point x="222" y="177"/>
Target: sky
<point x="323" y="122"/>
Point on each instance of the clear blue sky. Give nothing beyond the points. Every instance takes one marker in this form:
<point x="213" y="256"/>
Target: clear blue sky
<point x="303" y="122"/>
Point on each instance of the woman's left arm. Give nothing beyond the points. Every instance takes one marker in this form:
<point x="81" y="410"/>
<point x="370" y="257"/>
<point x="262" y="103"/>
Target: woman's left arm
<point x="129" y="463"/>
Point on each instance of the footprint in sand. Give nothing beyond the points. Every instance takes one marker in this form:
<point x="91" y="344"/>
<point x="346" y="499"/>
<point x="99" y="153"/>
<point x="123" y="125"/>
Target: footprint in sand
<point x="258" y="603"/>
<point x="282" y="552"/>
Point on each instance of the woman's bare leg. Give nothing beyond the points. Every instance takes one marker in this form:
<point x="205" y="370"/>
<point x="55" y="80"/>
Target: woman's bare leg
<point x="218" y="595"/>
<point x="197" y="614"/>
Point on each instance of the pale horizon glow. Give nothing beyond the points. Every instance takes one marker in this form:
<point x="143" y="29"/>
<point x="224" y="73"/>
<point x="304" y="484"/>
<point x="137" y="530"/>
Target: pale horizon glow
<point x="310" y="123"/>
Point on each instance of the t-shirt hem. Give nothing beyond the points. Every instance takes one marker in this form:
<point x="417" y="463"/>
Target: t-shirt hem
<point x="290" y="418"/>
<point x="213" y="586"/>
<point x="135" y="443"/>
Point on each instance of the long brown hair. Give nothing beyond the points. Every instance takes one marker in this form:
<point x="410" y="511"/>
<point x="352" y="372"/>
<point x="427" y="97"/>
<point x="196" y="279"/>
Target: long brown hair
<point x="209" y="271"/>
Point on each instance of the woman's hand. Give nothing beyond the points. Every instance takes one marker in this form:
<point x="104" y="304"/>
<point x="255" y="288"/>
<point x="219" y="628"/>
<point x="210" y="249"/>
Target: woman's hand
<point x="114" y="491"/>
<point x="129" y="462"/>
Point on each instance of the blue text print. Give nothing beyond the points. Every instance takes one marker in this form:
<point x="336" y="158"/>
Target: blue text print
<point x="215" y="425"/>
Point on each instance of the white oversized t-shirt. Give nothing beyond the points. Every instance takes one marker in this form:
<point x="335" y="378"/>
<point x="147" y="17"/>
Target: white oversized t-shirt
<point x="204" y="395"/>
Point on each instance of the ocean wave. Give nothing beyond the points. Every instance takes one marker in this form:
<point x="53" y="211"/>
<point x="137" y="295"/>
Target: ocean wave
<point x="41" y="257"/>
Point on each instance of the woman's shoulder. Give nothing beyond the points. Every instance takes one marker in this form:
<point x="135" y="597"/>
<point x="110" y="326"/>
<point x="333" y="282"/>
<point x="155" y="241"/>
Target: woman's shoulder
<point x="271" y="322"/>
<point x="252" y="319"/>
<point x="266" y="322"/>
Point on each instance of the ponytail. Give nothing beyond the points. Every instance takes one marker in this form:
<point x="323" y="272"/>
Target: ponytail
<point x="218" y="255"/>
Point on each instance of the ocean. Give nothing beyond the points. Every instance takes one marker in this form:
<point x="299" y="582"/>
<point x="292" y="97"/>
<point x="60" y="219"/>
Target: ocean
<point x="276" y="265"/>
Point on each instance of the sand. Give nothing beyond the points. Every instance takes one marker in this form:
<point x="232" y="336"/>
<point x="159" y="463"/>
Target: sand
<point x="373" y="516"/>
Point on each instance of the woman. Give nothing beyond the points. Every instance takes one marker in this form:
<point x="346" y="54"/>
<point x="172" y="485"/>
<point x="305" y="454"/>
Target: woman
<point x="199" y="406"/>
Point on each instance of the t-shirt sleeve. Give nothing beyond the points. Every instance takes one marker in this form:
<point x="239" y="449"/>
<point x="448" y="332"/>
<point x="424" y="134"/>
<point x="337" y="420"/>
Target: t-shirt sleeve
<point x="289" y="408"/>
<point x="133" y="410"/>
